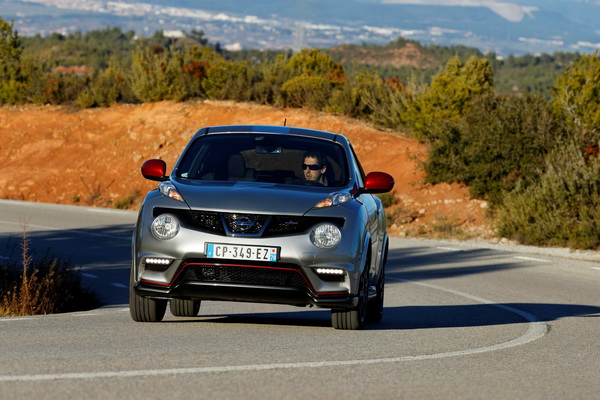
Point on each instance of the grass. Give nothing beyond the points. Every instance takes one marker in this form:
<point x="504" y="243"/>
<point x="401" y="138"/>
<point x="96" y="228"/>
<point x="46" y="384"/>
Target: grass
<point x="126" y="202"/>
<point x="45" y="286"/>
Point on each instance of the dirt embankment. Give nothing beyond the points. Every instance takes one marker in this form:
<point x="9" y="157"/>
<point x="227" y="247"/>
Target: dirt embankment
<point x="93" y="157"/>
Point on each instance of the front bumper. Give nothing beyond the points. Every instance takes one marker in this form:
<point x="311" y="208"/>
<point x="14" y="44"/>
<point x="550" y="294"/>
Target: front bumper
<point x="249" y="282"/>
<point x="245" y="293"/>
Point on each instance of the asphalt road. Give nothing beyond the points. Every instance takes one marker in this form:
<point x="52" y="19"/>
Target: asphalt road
<point x="461" y="321"/>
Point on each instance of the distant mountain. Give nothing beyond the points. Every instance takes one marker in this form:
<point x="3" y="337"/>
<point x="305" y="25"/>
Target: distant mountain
<point x="504" y="27"/>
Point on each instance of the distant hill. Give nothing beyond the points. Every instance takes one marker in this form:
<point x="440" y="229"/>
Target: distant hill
<point x="503" y="27"/>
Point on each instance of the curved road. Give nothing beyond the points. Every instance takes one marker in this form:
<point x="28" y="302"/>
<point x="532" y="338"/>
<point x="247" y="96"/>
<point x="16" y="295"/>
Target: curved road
<point x="461" y="321"/>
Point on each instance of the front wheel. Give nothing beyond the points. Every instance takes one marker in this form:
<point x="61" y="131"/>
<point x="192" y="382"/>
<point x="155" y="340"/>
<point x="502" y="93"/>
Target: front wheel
<point x="143" y="309"/>
<point x="375" y="307"/>
<point x="354" y="318"/>
<point x="184" y="308"/>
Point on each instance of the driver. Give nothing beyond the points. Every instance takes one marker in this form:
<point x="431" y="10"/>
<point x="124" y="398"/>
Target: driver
<point x="314" y="167"/>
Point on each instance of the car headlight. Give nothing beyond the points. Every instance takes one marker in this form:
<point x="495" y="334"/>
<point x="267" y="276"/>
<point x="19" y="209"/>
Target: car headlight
<point x="334" y="199"/>
<point x="169" y="190"/>
<point x="165" y="227"/>
<point x="325" y="236"/>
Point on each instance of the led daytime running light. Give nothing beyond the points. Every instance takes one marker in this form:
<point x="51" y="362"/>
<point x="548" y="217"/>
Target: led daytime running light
<point x="157" y="261"/>
<point x="330" y="271"/>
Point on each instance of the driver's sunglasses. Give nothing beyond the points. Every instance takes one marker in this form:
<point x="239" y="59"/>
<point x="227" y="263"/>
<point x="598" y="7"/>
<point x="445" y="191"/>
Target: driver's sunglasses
<point x="312" y="167"/>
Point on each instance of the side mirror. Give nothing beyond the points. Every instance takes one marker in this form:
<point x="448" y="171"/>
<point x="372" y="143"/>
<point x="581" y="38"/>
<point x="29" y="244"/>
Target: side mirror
<point x="155" y="170"/>
<point x="378" y="182"/>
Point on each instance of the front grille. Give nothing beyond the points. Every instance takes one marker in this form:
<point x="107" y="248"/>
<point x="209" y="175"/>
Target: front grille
<point x="261" y="225"/>
<point x="248" y="224"/>
<point x="205" y="220"/>
<point x="244" y="275"/>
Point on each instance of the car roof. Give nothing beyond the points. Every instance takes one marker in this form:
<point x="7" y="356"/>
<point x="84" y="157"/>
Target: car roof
<point x="272" y="129"/>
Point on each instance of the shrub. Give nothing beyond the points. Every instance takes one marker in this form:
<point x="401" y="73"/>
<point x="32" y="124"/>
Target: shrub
<point x="108" y="87"/>
<point x="12" y="83"/>
<point x="366" y="96"/>
<point x="388" y="199"/>
<point x="228" y="80"/>
<point x="306" y="91"/>
<point x="312" y="78"/>
<point x="170" y="74"/>
<point x="449" y="96"/>
<point x="577" y="95"/>
<point x="58" y="88"/>
<point x="500" y="141"/>
<point x="561" y="208"/>
<point x="314" y="62"/>
<point x="272" y="75"/>
<point x="45" y="286"/>
<point x="126" y="202"/>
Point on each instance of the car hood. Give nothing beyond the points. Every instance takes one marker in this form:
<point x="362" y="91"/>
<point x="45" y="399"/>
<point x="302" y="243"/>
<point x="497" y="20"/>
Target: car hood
<point x="251" y="197"/>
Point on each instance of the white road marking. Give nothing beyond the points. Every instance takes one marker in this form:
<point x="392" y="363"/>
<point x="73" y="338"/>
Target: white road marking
<point x="536" y="330"/>
<point x="120" y="285"/>
<point x="11" y="319"/>
<point x="103" y="210"/>
<point x="531" y="259"/>
<point x="596" y="268"/>
<point x="89" y="275"/>
<point x="448" y="248"/>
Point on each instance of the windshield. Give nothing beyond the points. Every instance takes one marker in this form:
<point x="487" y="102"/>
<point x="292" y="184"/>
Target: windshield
<point x="265" y="158"/>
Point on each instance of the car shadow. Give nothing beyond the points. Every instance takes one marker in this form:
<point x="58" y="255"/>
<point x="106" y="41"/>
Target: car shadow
<point x="416" y="317"/>
<point x="420" y="263"/>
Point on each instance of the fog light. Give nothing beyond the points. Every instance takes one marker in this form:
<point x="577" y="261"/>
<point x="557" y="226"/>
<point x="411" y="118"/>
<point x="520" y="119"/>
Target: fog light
<point x="165" y="227"/>
<point x="325" y="236"/>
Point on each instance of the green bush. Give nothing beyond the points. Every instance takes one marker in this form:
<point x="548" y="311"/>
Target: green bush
<point x="501" y="140"/>
<point x="577" y="95"/>
<point x="12" y="82"/>
<point x="449" y="96"/>
<point x="306" y="91"/>
<point x="108" y="87"/>
<point x="366" y="96"/>
<point x="170" y="74"/>
<point x="562" y="208"/>
<point x="58" y="88"/>
<point x="314" y="62"/>
<point x="228" y="80"/>
<point x="271" y="76"/>
<point x="312" y="78"/>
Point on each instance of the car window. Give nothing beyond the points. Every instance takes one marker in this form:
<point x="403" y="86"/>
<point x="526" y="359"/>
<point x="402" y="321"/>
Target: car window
<point x="358" y="167"/>
<point x="260" y="158"/>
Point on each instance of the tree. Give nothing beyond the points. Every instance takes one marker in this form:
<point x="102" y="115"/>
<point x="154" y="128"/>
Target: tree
<point x="11" y="79"/>
<point x="577" y="95"/>
<point x="158" y="74"/>
<point x="449" y="96"/>
<point x="313" y="77"/>
<point x="499" y="143"/>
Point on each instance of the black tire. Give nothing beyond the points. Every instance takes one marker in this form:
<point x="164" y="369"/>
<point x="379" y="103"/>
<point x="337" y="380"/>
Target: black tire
<point x="184" y="308"/>
<point x="354" y="318"/>
<point x="375" y="306"/>
<point x="143" y="309"/>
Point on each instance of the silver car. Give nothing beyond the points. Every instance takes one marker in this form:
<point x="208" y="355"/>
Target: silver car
<point x="269" y="214"/>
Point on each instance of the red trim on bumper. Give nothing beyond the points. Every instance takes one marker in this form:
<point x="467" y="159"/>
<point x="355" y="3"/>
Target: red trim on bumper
<point x="244" y="266"/>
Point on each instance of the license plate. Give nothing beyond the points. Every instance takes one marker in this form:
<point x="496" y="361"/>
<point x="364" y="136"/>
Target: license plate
<point x="241" y="252"/>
